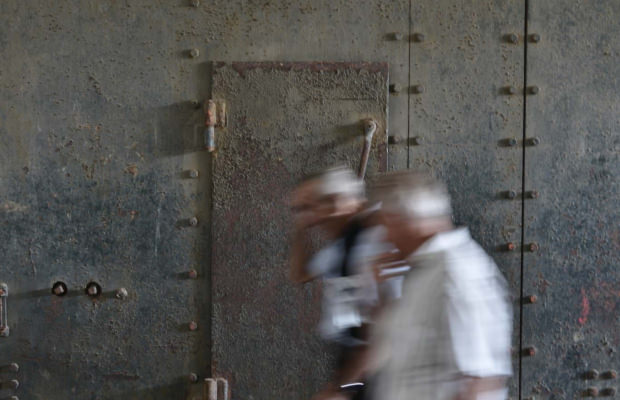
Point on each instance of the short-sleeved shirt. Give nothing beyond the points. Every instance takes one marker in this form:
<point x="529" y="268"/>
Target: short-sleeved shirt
<point x="348" y="300"/>
<point x="453" y="321"/>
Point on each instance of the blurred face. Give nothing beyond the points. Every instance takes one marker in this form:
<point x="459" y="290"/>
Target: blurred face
<point x="405" y="233"/>
<point x="311" y="209"/>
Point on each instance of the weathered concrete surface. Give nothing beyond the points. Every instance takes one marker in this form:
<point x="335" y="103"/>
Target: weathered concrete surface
<point x="285" y="120"/>
<point x="576" y="115"/>
<point x="464" y="118"/>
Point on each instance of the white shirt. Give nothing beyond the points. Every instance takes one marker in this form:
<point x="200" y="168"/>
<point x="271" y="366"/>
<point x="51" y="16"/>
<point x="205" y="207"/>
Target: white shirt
<point x="347" y="301"/>
<point x="454" y="320"/>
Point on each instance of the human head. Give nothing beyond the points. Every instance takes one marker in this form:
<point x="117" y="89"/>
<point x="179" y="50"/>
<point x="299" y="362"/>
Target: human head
<point x="414" y="207"/>
<point x="332" y="194"/>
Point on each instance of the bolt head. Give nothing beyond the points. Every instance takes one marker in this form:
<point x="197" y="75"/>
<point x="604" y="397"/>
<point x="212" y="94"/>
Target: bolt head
<point x="534" y="141"/>
<point x="608" y="392"/>
<point x="397" y="36"/>
<point x="535" y="38"/>
<point x="529" y="351"/>
<point x="12" y="384"/>
<point x="93" y="289"/>
<point x="419" y="37"/>
<point x="609" y="374"/>
<point x="512" y="38"/>
<point x="193" y="221"/>
<point x="534" y="89"/>
<point x="531" y="299"/>
<point x="510" y="246"/>
<point x="592" y="391"/>
<point x="512" y="142"/>
<point x="395" y="88"/>
<point x="533" y="247"/>
<point x="121" y="294"/>
<point x="193" y="326"/>
<point x="533" y="194"/>
<point x="193" y="377"/>
<point x="14" y="367"/>
<point x="59" y="289"/>
<point x="193" y="53"/>
<point x="591" y="374"/>
<point x="192" y="274"/>
<point x="511" y="194"/>
<point x="418" y="89"/>
<point x="394" y="139"/>
<point x="511" y="90"/>
<point x="193" y="173"/>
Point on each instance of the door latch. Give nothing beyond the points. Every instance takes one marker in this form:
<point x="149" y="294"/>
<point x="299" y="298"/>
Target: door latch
<point x="4" y="322"/>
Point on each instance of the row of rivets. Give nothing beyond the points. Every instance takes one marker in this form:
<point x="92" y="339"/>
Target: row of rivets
<point x="416" y="140"/>
<point x="595" y="392"/>
<point x="514" y="38"/>
<point x="397" y="88"/>
<point x="420" y="37"/>
<point x="93" y="289"/>
<point x="594" y="374"/>
<point x="532" y="247"/>
<point x="514" y="90"/>
<point x="415" y="37"/>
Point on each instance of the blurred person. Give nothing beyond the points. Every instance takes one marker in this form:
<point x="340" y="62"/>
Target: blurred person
<point x="334" y="202"/>
<point x="448" y="338"/>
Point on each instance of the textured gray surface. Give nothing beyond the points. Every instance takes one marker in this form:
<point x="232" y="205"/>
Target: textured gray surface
<point x="575" y="325"/>
<point x="285" y="120"/>
<point x="464" y="118"/>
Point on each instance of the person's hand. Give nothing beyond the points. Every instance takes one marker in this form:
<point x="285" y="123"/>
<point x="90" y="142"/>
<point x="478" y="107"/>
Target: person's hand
<point x="384" y="262"/>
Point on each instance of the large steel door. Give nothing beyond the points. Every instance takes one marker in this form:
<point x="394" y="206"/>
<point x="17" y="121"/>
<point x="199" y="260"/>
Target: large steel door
<point x="466" y="120"/>
<point x="284" y="120"/>
<point x="572" y="333"/>
<point x="108" y="204"/>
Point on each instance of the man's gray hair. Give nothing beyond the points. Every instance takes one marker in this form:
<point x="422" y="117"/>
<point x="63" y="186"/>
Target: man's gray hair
<point x="412" y="194"/>
<point x="340" y="181"/>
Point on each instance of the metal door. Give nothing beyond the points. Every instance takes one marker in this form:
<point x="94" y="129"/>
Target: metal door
<point x="571" y="333"/>
<point x="105" y="204"/>
<point x="466" y="121"/>
<point x="284" y="120"/>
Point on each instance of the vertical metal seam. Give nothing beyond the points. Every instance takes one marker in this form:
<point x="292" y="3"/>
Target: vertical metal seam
<point x="524" y="136"/>
<point x="409" y="86"/>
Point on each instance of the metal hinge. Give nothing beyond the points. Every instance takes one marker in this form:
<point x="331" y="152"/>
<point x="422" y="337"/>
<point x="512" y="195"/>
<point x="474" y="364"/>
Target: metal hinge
<point x="215" y="389"/>
<point x="4" y="318"/>
<point x="215" y="116"/>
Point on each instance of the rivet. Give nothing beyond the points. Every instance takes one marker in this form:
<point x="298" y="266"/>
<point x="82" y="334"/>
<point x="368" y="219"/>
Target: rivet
<point x="12" y="384"/>
<point x="418" y="37"/>
<point x="59" y="289"/>
<point x="530" y="299"/>
<point x="395" y="88"/>
<point x="529" y="351"/>
<point x="416" y="140"/>
<point x="394" y="139"/>
<point x="397" y="36"/>
<point x="609" y="374"/>
<point x="418" y="89"/>
<point x="511" y="142"/>
<point x="533" y="141"/>
<point x="193" y="53"/>
<point x="607" y="392"/>
<point x="510" y="194"/>
<point x="533" y="247"/>
<point x="193" y="326"/>
<point x="535" y="38"/>
<point x="195" y="3"/>
<point x="14" y="367"/>
<point x="193" y="173"/>
<point x="193" y="221"/>
<point x="193" y="377"/>
<point x="93" y="289"/>
<point x="192" y="274"/>
<point x="591" y="392"/>
<point x="511" y="90"/>
<point x="533" y="90"/>
<point x="510" y="246"/>
<point x="591" y="374"/>
<point x="512" y="38"/>
<point x="121" y="294"/>
<point x="532" y="194"/>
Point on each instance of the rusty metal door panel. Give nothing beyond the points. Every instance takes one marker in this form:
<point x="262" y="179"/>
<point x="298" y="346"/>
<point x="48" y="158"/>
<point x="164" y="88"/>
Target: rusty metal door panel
<point x="465" y="122"/>
<point x="572" y="220"/>
<point x="284" y="120"/>
<point x="94" y="204"/>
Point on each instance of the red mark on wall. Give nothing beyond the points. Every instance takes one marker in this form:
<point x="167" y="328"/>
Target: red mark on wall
<point x="585" y="308"/>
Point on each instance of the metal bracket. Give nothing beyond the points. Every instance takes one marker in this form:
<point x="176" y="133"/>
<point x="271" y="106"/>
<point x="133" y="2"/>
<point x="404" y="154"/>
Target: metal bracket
<point x="4" y="319"/>
<point x="213" y="387"/>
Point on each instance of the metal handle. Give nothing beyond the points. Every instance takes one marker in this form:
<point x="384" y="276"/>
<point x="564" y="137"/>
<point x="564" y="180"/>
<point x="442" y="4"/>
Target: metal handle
<point x="4" y="322"/>
<point x="370" y="126"/>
